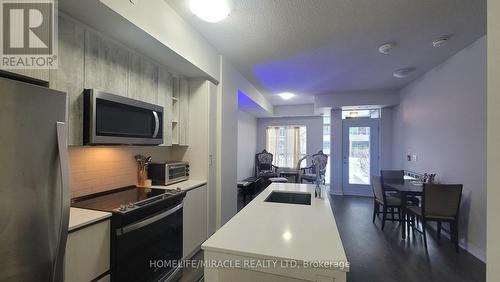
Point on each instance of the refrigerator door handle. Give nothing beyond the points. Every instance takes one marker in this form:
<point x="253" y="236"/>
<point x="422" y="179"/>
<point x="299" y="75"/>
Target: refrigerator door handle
<point x="62" y="142"/>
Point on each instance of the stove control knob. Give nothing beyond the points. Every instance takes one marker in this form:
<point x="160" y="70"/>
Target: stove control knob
<point x="123" y="208"/>
<point x="130" y="205"/>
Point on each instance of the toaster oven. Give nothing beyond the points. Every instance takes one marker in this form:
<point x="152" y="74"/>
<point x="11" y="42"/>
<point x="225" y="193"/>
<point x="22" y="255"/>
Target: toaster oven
<point x="168" y="173"/>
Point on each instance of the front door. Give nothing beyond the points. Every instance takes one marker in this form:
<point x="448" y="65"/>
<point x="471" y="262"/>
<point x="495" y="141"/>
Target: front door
<point x="360" y="155"/>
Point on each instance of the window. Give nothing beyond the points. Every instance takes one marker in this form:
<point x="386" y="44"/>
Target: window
<point x="359" y="155"/>
<point x="287" y="144"/>
<point x="371" y="113"/>
<point x="327" y="144"/>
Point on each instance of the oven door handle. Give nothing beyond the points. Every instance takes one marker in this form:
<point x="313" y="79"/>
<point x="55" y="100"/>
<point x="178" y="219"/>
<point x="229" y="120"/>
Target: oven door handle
<point x="129" y="228"/>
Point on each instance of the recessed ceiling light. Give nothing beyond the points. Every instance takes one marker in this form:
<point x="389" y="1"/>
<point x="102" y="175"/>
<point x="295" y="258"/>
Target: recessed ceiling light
<point x="210" y="10"/>
<point x="402" y="73"/>
<point x="440" y="42"/>
<point x="386" y="48"/>
<point x="286" y="95"/>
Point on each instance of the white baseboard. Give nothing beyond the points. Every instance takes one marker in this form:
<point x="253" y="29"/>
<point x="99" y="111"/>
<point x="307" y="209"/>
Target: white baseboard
<point x="473" y="250"/>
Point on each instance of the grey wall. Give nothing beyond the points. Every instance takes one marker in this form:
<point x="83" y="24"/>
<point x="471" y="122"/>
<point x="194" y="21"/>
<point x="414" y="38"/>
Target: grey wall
<point x="247" y="144"/>
<point x="293" y="110"/>
<point x="232" y="82"/>
<point x="493" y="265"/>
<point x="336" y="152"/>
<point x="314" y="127"/>
<point x="360" y="98"/>
<point x="386" y="136"/>
<point x="442" y="119"/>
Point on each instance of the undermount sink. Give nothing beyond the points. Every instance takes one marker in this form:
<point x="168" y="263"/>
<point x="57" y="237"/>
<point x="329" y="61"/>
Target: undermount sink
<point x="289" y="198"/>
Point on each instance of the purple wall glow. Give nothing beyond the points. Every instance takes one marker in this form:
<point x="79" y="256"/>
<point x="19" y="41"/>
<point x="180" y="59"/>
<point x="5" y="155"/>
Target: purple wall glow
<point x="306" y="73"/>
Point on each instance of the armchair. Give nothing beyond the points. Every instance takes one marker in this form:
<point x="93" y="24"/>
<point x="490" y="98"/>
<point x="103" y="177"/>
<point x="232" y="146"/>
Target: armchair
<point x="264" y="165"/>
<point x="309" y="173"/>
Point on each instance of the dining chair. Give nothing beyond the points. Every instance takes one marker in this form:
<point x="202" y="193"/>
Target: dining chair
<point x="309" y="173"/>
<point x="397" y="176"/>
<point x="440" y="203"/>
<point x="392" y="176"/>
<point x="301" y="168"/>
<point x="389" y="204"/>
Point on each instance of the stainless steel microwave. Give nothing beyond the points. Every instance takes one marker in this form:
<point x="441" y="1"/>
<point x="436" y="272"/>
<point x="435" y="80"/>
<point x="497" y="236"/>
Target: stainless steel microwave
<point x="113" y="119"/>
<point x="168" y="173"/>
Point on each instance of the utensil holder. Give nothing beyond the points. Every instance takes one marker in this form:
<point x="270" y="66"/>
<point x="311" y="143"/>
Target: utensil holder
<point x="142" y="176"/>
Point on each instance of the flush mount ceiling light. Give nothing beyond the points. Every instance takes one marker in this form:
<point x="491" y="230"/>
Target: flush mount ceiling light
<point x="353" y="114"/>
<point x="210" y="10"/>
<point x="402" y="73"/>
<point x="386" y="48"/>
<point x="286" y="95"/>
<point x="440" y="42"/>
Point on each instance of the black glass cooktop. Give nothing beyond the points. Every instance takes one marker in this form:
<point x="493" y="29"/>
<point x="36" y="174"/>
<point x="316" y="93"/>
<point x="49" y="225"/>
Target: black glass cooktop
<point x="123" y="199"/>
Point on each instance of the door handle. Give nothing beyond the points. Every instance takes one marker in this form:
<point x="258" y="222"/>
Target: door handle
<point x="147" y="221"/>
<point x="157" y="124"/>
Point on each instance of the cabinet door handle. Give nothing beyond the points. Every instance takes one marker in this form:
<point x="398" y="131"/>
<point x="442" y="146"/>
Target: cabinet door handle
<point x="157" y="124"/>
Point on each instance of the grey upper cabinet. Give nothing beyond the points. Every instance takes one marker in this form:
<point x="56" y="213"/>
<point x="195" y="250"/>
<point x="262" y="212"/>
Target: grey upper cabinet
<point x="143" y="79"/>
<point x="68" y="77"/>
<point x="165" y="100"/>
<point x="106" y="65"/>
<point x="40" y="74"/>
<point x="90" y="60"/>
<point x="183" y="111"/>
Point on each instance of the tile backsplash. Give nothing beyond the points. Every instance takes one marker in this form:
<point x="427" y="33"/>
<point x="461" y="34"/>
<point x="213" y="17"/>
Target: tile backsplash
<point x="98" y="169"/>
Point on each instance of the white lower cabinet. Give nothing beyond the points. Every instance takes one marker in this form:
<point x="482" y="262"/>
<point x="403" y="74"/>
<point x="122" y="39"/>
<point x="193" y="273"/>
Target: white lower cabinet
<point x="88" y="253"/>
<point x="194" y="220"/>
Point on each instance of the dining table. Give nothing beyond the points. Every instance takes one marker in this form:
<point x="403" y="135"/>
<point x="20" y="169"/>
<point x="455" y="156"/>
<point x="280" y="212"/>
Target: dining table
<point x="406" y="188"/>
<point x="290" y="172"/>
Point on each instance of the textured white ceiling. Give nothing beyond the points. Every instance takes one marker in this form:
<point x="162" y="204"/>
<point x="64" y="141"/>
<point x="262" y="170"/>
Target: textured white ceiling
<point x="314" y="47"/>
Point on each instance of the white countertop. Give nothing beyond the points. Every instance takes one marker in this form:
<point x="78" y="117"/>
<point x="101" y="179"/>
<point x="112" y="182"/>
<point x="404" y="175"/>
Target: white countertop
<point x="184" y="185"/>
<point x="282" y="231"/>
<point x="81" y="217"/>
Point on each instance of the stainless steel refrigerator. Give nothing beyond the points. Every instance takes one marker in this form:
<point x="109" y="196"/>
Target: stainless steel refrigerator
<point x="34" y="196"/>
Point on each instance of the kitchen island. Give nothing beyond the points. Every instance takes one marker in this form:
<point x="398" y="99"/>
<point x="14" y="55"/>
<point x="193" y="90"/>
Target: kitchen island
<point x="270" y="241"/>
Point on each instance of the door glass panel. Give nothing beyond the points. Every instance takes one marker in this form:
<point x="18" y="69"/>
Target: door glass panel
<point x="359" y="155"/>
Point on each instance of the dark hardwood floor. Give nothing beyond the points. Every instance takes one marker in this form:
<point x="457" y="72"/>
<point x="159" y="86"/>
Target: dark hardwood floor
<point x="377" y="255"/>
<point x="192" y="274"/>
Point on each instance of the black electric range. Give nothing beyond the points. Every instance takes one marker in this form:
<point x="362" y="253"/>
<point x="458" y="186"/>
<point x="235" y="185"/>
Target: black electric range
<point x="146" y="227"/>
<point x="127" y="199"/>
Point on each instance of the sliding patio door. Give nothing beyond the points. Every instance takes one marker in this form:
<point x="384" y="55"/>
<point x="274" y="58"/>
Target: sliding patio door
<point x="360" y="155"/>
